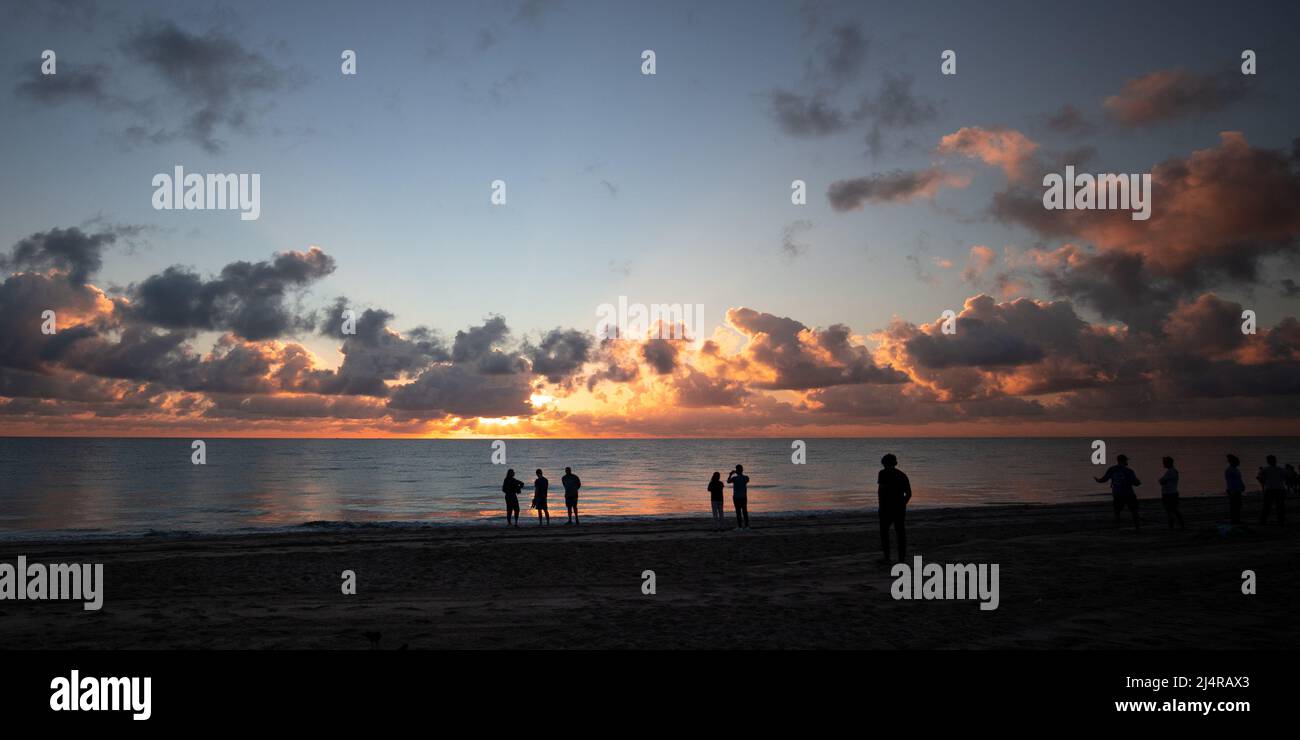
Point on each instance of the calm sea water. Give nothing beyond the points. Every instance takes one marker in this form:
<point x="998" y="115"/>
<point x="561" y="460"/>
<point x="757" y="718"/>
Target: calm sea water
<point x="131" y="486"/>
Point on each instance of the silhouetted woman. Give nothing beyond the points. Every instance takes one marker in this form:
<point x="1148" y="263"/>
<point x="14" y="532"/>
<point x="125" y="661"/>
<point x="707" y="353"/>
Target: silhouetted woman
<point x="511" y="487"/>
<point x="1169" y="493"/>
<point x="715" y="500"/>
<point x="1236" y="488"/>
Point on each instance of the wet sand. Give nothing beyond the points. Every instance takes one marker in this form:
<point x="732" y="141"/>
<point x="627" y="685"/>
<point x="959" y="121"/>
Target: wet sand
<point x="1068" y="579"/>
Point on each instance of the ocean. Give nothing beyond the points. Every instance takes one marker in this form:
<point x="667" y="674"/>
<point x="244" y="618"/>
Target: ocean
<point x="53" y="487"/>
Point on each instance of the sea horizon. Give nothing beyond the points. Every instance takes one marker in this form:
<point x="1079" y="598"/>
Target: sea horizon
<point x="96" y="486"/>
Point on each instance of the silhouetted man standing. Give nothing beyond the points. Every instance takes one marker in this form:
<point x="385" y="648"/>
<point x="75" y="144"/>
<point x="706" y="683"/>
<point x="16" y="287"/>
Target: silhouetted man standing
<point x="571" y="485"/>
<point x="539" y="497"/>
<point x="1122" y="479"/>
<point x="1273" y="480"/>
<point x="894" y="490"/>
<point x="740" y="496"/>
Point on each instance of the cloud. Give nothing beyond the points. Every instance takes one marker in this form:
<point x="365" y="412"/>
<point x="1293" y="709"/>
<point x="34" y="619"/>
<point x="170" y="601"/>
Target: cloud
<point x="247" y="298"/>
<point x="791" y="245"/>
<point x="87" y="84"/>
<point x="560" y="354"/>
<point x="480" y="346"/>
<point x="897" y="186"/>
<point x="697" y="390"/>
<point x="1216" y="214"/>
<point x="806" y="116"/>
<point x="70" y="251"/>
<point x="788" y="355"/>
<point x="1004" y="148"/>
<point x="894" y="106"/>
<point x="828" y="108"/>
<point x="221" y="84"/>
<point x="978" y="263"/>
<point x="1009" y="362"/>
<point x="840" y="56"/>
<point x="456" y="390"/>
<point x="1166" y="95"/>
<point x="660" y="354"/>
<point x="1069" y="120"/>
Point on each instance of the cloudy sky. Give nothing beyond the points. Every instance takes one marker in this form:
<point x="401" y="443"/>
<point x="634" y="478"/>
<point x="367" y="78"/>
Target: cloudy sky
<point x="924" y="195"/>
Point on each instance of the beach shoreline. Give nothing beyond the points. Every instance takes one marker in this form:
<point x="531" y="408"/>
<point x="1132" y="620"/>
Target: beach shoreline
<point x="1069" y="579"/>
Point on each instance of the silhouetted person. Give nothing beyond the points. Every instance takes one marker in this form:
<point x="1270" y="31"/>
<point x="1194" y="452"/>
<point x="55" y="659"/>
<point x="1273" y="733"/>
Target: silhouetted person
<point x="893" y="491"/>
<point x="1292" y="479"/>
<point x="1169" y="493"/>
<point x="1273" y="480"/>
<point x="1236" y="488"/>
<point x="1122" y="480"/>
<point x="511" y="487"/>
<point x="715" y="500"/>
<point x="740" y="495"/>
<point x="539" y="497"/>
<point x="571" y="485"/>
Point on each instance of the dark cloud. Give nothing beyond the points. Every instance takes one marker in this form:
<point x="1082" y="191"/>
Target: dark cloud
<point x="87" y="84"/>
<point x="71" y="251"/>
<point x="221" y="84"/>
<point x="806" y="116"/>
<point x="1215" y="216"/>
<point x="248" y="298"/>
<point x="896" y="106"/>
<point x="791" y="245"/>
<point x="533" y="11"/>
<point x="560" y="354"/>
<point x="975" y="344"/>
<point x="799" y="358"/>
<point x="660" y="354"/>
<point x="80" y="311"/>
<point x="1170" y="94"/>
<point x="455" y="390"/>
<point x="840" y="56"/>
<point x="480" y="346"/>
<point x="1069" y="120"/>
<point x="697" y="390"/>
<point x="373" y="355"/>
<point x="887" y="187"/>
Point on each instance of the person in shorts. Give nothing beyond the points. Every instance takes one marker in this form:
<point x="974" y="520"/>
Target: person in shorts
<point x="571" y="485"/>
<point x="511" y="487"/>
<point x="540" y="487"/>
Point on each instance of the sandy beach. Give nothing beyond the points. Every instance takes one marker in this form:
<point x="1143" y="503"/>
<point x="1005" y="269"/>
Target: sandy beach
<point x="1068" y="579"/>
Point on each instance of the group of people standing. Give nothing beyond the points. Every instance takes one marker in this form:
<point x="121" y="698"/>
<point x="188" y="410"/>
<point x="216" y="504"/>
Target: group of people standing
<point x="1275" y="482"/>
<point x="894" y="491"/>
<point x="511" y="487"/>
<point x="739" y="497"/>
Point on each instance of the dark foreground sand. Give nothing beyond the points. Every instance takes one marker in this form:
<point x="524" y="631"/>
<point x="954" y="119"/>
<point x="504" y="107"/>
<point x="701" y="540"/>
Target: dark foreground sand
<point x="1067" y="579"/>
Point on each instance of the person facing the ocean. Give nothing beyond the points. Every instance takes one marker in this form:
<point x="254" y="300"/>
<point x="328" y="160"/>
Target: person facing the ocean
<point x="511" y="487"/>
<point x="715" y="499"/>
<point x="893" y="491"/>
<point x="1122" y="480"/>
<point x="1273" y="480"/>
<point x="571" y="485"/>
<point x="1236" y="488"/>
<point x="740" y="495"/>
<point x="539" y="497"/>
<point x="1169" y="493"/>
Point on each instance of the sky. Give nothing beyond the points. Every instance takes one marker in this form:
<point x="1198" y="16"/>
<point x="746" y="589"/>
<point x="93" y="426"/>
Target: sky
<point x="478" y="318"/>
